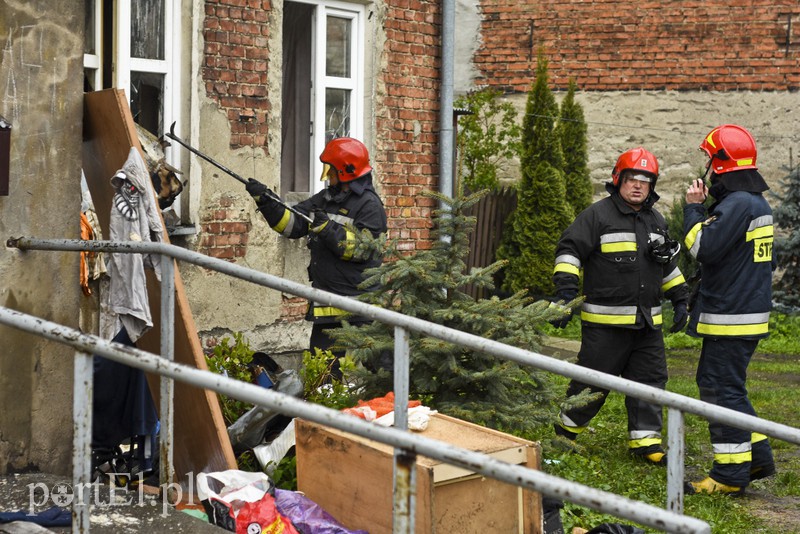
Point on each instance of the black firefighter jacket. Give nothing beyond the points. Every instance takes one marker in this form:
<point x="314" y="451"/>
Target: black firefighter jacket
<point x="623" y="284"/>
<point x="733" y="244"/>
<point x="334" y="266"/>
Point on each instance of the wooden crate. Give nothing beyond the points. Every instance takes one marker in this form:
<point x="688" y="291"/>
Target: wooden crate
<point x="351" y="478"/>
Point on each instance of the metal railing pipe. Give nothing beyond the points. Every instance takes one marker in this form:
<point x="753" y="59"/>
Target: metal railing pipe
<point x="166" y="397"/>
<point x="550" y="485"/>
<point x="521" y="356"/>
<point x="404" y="473"/>
<point x="82" y="394"/>
<point x="675" y="455"/>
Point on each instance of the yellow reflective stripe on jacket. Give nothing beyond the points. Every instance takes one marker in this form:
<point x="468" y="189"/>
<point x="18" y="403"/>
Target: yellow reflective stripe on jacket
<point x="349" y="245"/>
<point x="692" y="240"/>
<point x="566" y="263"/>
<point x="761" y="234"/>
<point x="732" y="453"/>
<point x="743" y="324"/>
<point x="760" y="227"/>
<point x="283" y="224"/>
<point x="673" y="279"/>
<point x="657" y="317"/>
<point x="328" y="311"/>
<point x="615" y="315"/>
<point x="755" y="437"/>
<point x="619" y="242"/>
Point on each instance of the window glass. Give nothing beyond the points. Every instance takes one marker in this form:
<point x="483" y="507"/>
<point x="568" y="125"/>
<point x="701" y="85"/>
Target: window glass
<point x="147" y="97"/>
<point x="337" y="113"/>
<point x="89" y="45"/>
<point x="337" y="50"/>
<point x="147" y="29"/>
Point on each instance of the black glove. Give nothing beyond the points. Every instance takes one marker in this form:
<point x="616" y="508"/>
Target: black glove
<point x="680" y="317"/>
<point x="320" y="221"/>
<point x="566" y="297"/>
<point x="262" y="194"/>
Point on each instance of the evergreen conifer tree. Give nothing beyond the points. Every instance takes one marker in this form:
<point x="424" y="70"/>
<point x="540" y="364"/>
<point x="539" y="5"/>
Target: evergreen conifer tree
<point x="454" y="380"/>
<point x="531" y="234"/>
<point x="572" y="131"/>
<point x="786" y="213"/>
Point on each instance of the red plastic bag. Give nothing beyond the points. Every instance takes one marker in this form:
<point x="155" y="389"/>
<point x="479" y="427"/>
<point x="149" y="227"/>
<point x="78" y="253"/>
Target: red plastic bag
<point x="242" y="502"/>
<point x="380" y="405"/>
<point x="262" y="517"/>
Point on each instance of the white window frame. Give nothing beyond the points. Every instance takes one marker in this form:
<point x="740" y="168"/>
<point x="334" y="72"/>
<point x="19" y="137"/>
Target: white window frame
<point x="355" y="84"/>
<point x="92" y="61"/>
<point x="170" y="66"/>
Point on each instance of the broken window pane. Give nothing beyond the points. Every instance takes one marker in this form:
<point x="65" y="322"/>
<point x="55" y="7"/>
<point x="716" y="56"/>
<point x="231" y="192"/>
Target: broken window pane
<point x="337" y="113"/>
<point x="147" y="98"/>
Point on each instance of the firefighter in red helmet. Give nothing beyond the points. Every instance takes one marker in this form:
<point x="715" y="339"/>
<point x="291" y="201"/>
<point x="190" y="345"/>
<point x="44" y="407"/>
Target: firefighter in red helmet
<point x="620" y="248"/>
<point x="732" y="241"/>
<point x="349" y="203"/>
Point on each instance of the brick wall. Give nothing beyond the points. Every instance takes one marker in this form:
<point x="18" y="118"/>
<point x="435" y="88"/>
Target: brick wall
<point x="405" y="157"/>
<point x="235" y="65"/>
<point x="729" y="45"/>
<point x="224" y="230"/>
<point x="407" y="112"/>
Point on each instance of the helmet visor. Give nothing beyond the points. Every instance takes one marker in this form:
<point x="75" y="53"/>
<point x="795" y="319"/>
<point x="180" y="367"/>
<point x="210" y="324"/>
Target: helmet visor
<point x="641" y="177"/>
<point x="326" y="169"/>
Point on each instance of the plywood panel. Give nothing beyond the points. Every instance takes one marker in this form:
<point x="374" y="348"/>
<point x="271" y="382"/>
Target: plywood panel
<point x="351" y="478"/>
<point x="201" y="439"/>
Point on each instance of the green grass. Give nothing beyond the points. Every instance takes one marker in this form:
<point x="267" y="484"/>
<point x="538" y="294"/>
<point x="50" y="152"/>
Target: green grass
<point x="601" y="459"/>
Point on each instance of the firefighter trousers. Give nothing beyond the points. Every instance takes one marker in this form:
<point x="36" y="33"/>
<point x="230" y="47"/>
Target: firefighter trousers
<point x="721" y="377"/>
<point x="635" y="354"/>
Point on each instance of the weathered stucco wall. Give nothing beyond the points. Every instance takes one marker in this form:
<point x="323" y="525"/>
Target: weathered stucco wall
<point x="41" y="84"/>
<point x="672" y="124"/>
<point x="229" y="226"/>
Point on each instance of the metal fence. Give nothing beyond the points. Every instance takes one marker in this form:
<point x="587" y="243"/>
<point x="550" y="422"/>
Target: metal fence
<point x="407" y="446"/>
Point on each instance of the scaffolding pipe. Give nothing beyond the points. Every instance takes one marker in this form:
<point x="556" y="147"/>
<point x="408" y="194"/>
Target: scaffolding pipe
<point x="517" y="475"/>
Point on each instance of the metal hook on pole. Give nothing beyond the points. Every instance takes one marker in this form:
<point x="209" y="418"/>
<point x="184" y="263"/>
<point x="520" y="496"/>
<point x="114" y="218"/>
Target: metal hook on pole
<point x="171" y="135"/>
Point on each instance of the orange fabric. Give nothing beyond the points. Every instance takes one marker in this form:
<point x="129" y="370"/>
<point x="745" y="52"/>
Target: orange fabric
<point x="381" y="405"/>
<point x="86" y="234"/>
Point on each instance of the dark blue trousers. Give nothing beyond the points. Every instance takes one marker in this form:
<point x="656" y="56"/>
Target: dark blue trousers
<point x="637" y="355"/>
<point x="721" y="377"/>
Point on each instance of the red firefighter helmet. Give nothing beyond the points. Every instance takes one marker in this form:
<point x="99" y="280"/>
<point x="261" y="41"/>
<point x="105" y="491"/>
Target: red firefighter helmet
<point x="730" y="148"/>
<point x="638" y="159"/>
<point x="348" y="156"/>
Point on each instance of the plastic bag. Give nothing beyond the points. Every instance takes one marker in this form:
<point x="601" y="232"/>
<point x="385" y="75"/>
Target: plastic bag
<point x="418" y="418"/>
<point x="308" y="516"/>
<point x="269" y="454"/>
<point x="242" y="502"/>
<point x="248" y="431"/>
